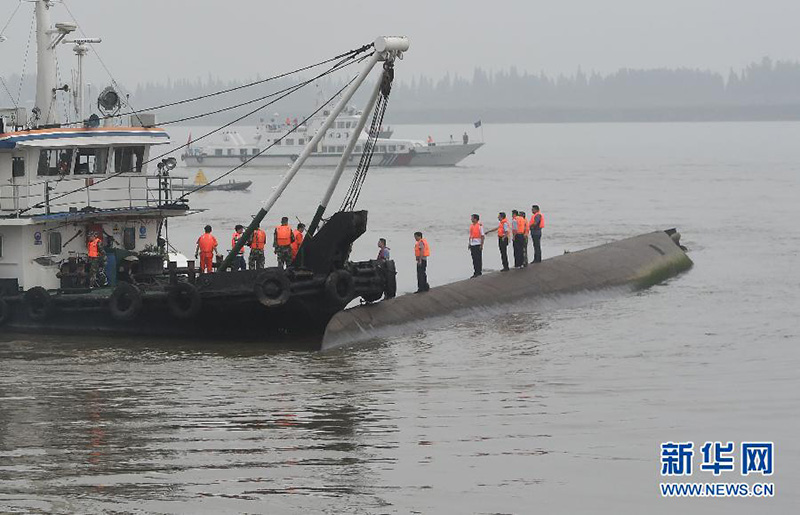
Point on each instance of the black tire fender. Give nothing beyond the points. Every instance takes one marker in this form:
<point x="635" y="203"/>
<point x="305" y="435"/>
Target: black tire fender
<point x="125" y="302"/>
<point x="272" y="289"/>
<point x="340" y="286"/>
<point x="38" y="304"/>
<point x="184" y="301"/>
<point x="5" y="312"/>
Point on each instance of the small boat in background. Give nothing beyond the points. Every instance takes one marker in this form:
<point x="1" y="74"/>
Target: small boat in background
<point x="201" y="181"/>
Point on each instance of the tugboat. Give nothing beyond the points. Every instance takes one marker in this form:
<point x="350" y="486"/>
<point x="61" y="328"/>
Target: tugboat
<point x="62" y="182"/>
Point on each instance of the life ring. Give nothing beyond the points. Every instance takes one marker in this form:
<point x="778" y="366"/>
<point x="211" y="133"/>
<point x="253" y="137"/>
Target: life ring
<point x="340" y="286"/>
<point x="243" y="158"/>
<point x="38" y="303"/>
<point x="5" y="312"/>
<point x="272" y="289"/>
<point x="199" y="158"/>
<point x="125" y="302"/>
<point x="294" y="157"/>
<point x="184" y="301"/>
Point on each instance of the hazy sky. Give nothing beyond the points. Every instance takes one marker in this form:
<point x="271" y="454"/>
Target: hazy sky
<point x="149" y="40"/>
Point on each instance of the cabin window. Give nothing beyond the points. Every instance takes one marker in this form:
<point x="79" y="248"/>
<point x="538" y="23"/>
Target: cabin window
<point x="255" y="151"/>
<point x="230" y="151"/>
<point x="54" y="242"/>
<point x="392" y="148"/>
<point x="129" y="159"/>
<point x="382" y="148"/>
<point x="242" y="151"/>
<point x="91" y="161"/>
<point x="358" y="149"/>
<point x="277" y="142"/>
<point x="218" y="152"/>
<point x="340" y="149"/>
<point x="54" y="162"/>
<point x="18" y="167"/>
<point x="301" y="141"/>
<point x="339" y="125"/>
<point x="129" y="238"/>
<point x="289" y="141"/>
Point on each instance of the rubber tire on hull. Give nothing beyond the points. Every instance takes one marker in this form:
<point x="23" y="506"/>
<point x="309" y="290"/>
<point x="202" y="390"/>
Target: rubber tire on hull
<point x="125" y="302"/>
<point x="38" y="304"/>
<point x="340" y="286"/>
<point x="5" y="312"/>
<point x="184" y="301"/>
<point x="272" y="289"/>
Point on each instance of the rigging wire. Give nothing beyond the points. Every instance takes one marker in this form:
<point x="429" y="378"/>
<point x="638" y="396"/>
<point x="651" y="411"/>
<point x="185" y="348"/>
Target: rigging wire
<point x="103" y="64"/>
<point x="344" y="55"/>
<point x="25" y="59"/>
<point x="275" y="142"/>
<point x="11" y="18"/>
<point x="340" y="65"/>
<point x="351" y="197"/>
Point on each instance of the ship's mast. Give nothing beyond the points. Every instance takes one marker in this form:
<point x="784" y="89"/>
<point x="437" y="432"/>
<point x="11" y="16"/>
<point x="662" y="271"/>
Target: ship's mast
<point x="46" y="40"/>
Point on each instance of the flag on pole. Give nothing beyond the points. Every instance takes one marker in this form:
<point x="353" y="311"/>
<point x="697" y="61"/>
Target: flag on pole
<point x="477" y="124"/>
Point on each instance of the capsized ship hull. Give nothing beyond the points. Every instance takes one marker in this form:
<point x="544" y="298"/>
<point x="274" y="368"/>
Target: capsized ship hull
<point x="633" y="263"/>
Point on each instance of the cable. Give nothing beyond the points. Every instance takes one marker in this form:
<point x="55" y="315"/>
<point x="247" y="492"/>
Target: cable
<point x="290" y="131"/>
<point x="347" y="54"/>
<point x="25" y="59"/>
<point x="11" y="18"/>
<point x="295" y="88"/>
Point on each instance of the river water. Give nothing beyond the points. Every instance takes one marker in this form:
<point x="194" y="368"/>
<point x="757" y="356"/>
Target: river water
<point x="556" y="410"/>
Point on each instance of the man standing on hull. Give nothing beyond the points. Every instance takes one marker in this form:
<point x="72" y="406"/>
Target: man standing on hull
<point x="238" y="261"/>
<point x="206" y="250"/>
<point x="421" y="251"/>
<point x="517" y="227"/>
<point x="503" y="230"/>
<point x="536" y="225"/>
<point x="476" y="239"/>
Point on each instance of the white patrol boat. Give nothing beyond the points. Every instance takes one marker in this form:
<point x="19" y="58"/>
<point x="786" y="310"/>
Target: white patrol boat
<point x="273" y="148"/>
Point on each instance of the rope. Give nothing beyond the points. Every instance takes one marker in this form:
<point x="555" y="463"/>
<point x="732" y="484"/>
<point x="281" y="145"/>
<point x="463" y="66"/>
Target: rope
<point x="11" y="18"/>
<point x="25" y="59"/>
<point x="295" y="88"/>
<point x="354" y="192"/>
<point x="289" y="132"/>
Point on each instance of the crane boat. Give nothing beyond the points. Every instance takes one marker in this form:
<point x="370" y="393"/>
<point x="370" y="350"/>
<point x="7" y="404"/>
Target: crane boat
<point x="62" y="181"/>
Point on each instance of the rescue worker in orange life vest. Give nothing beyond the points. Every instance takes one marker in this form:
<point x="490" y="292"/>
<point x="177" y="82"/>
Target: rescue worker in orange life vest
<point x="476" y="239"/>
<point x="422" y="251"/>
<point x="206" y="250"/>
<point x="536" y="225"/>
<point x="238" y="261"/>
<point x="283" y="243"/>
<point x="94" y="250"/>
<point x="257" y="243"/>
<point x="517" y="238"/>
<point x="298" y="239"/>
<point x="503" y="230"/>
<point x="525" y="233"/>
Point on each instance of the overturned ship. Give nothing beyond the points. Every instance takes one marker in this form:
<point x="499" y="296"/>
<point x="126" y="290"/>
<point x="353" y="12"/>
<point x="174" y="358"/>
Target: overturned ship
<point x="60" y="182"/>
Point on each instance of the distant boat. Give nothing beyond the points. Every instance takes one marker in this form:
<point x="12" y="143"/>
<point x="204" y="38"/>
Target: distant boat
<point x="200" y="180"/>
<point x="232" y="149"/>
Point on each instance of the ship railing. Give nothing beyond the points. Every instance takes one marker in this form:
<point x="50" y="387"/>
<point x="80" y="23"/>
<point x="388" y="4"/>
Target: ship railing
<point x="132" y="190"/>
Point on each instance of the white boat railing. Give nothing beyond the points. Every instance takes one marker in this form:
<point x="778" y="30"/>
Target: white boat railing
<point x="123" y="191"/>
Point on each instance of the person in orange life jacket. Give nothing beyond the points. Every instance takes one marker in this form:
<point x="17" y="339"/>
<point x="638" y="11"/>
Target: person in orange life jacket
<point x="536" y="225"/>
<point x="283" y="243"/>
<point x="206" y="250"/>
<point x="518" y="238"/>
<point x="238" y="261"/>
<point x="298" y="239"/>
<point x="503" y="230"/>
<point x="383" y="250"/>
<point x="476" y="239"/>
<point x="421" y="252"/>
<point x="94" y="250"/>
<point x="257" y="243"/>
<point x="525" y="233"/>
